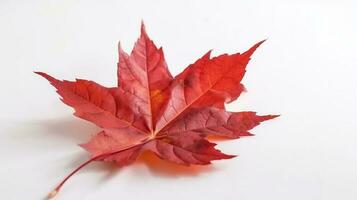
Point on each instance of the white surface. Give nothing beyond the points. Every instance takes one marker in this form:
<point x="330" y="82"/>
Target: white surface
<point x="306" y="72"/>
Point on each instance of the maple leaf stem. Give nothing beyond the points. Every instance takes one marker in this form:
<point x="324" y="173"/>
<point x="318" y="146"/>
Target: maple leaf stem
<point x="54" y="192"/>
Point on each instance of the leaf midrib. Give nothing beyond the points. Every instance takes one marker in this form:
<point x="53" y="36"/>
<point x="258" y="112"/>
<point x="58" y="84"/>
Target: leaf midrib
<point x="192" y="102"/>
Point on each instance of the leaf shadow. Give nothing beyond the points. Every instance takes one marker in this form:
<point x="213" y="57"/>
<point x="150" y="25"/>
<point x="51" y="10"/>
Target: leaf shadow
<point x="60" y="132"/>
<point x="167" y="169"/>
<point x="67" y="129"/>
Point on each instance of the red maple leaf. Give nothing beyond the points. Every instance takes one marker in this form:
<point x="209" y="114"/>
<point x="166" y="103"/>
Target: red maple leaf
<point x="150" y="110"/>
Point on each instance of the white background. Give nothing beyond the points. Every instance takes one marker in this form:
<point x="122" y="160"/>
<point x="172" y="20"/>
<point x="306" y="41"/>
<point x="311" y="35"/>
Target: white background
<point x="306" y="72"/>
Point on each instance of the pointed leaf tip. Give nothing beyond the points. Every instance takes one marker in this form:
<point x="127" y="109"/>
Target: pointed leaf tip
<point x="37" y="72"/>
<point x="268" y="117"/>
<point x="119" y="45"/>
<point x="250" y="51"/>
<point x="143" y="29"/>
<point x="208" y="54"/>
<point x="274" y="116"/>
<point x="46" y="76"/>
<point x="120" y="48"/>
